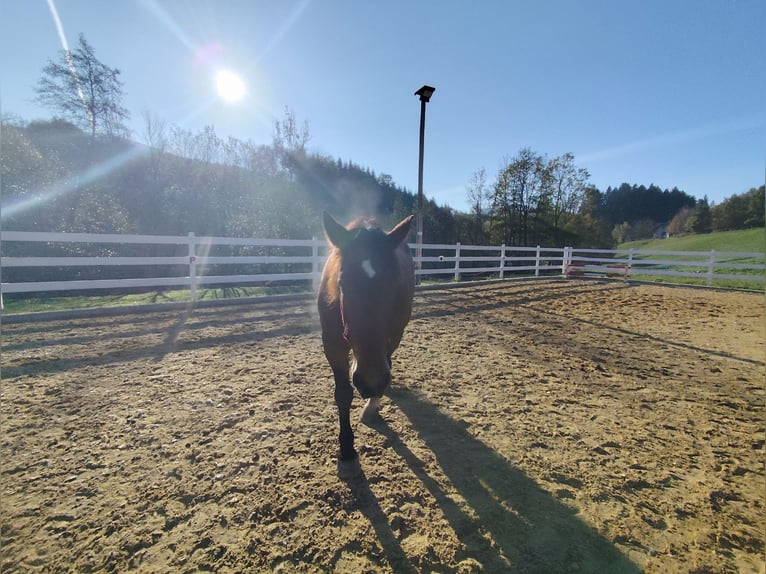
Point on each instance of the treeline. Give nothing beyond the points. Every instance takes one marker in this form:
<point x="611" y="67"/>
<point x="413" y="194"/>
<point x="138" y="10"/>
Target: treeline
<point x="57" y="177"/>
<point x="740" y="211"/>
<point x="535" y="200"/>
<point x="539" y="201"/>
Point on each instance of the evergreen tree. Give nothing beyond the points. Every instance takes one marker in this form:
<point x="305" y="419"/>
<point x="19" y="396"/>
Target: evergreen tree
<point x="702" y="218"/>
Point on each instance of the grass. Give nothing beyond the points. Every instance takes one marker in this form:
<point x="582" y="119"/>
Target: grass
<point x="743" y="240"/>
<point x="740" y="241"/>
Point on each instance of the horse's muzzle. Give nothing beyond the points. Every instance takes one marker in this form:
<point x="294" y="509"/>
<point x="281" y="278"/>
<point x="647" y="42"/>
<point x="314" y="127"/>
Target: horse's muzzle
<point x="371" y="386"/>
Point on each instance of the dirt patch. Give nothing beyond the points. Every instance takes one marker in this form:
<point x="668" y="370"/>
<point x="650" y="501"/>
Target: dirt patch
<point x="532" y="427"/>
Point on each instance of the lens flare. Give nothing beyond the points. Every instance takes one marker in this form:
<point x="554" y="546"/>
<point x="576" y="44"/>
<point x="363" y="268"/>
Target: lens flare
<point x="18" y="205"/>
<point x="229" y="86"/>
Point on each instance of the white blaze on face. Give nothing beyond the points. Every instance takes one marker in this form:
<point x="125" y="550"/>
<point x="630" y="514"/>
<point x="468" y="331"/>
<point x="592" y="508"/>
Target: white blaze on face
<point x="368" y="268"/>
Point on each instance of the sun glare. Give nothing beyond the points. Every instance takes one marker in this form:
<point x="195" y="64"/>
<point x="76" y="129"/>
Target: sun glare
<point x="229" y="86"/>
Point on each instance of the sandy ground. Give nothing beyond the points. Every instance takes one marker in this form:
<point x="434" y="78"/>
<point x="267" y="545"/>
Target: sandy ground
<point x="547" y="426"/>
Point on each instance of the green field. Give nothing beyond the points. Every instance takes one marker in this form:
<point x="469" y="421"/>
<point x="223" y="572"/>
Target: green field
<point x="723" y="243"/>
<point x="743" y="240"/>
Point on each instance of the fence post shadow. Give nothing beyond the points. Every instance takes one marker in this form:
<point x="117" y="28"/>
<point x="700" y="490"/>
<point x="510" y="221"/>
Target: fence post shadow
<point x="532" y="531"/>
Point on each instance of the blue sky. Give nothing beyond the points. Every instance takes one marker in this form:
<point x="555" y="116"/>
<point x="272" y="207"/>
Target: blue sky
<point x="663" y="92"/>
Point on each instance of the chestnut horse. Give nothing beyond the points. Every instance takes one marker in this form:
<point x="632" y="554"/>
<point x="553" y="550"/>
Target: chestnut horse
<point x="364" y="302"/>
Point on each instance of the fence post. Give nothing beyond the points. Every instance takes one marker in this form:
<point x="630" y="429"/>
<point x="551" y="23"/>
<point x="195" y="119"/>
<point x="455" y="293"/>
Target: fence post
<point x="502" y="261"/>
<point x="457" y="261"/>
<point x="711" y="268"/>
<point x="192" y="266"/>
<point x="564" y="262"/>
<point x="537" y="262"/>
<point x="629" y="266"/>
<point x="315" y="263"/>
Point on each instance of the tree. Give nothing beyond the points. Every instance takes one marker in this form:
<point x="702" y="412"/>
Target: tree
<point x="621" y="232"/>
<point x="289" y="141"/>
<point x="757" y="207"/>
<point x="478" y="194"/>
<point x="730" y="214"/>
<point x="25" y="173"/>
<point x="740" y="211"/>
<point x="84" y="90"/>
<point x="568" y="186"/>
<point x="703" y="219"/>
<point x="155" y="132"/>
<point x="521" y="192"/>
<point x="681" y="222"/>
<point x="590" y="227"/>
<point x="635" y="202"/>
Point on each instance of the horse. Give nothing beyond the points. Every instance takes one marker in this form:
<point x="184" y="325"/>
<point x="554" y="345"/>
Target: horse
<point x="364" y="303"/>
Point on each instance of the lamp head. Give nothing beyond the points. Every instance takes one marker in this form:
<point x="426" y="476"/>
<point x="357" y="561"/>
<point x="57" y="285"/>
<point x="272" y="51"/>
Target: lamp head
<point x="425" y="93"/>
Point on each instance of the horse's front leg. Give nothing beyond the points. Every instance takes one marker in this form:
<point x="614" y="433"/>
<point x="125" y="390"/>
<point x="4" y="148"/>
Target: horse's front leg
<point x="337" y="353"/>
<point x="343" y="397"/>
<point x="348" y="459"/>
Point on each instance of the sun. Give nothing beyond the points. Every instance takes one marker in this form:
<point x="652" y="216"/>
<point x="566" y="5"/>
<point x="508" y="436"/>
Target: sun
<point x="230" y="86"/>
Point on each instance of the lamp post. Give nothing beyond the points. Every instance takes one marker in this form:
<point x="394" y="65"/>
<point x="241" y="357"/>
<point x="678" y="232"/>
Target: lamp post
<point x="425" y="94"/>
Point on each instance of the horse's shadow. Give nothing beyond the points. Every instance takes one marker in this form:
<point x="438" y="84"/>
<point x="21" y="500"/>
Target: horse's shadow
<point x="513" y="525"/>
<point x="367" y="503"/>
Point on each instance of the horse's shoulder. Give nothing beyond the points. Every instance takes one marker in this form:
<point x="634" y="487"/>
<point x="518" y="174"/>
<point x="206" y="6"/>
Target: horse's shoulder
<point x="329" y="288"/>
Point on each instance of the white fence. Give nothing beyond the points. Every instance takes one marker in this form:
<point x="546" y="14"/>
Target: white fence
<point x="191" y="262"/>
<point x="645" y="264"/>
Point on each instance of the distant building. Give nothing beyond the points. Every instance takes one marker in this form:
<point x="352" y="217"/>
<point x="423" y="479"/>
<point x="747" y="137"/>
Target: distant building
<point x="661" y="232"/>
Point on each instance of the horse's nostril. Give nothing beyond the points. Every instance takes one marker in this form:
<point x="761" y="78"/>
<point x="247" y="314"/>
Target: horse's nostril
<point x="371" y="389"/>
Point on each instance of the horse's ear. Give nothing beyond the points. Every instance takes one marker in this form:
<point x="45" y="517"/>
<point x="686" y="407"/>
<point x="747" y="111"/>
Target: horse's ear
<point x="399" y="233"/>
<point x="338" y="235"/>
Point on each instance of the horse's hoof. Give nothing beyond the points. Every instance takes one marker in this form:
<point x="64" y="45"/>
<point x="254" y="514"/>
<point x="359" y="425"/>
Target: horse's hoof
<point x="349" y="468"/>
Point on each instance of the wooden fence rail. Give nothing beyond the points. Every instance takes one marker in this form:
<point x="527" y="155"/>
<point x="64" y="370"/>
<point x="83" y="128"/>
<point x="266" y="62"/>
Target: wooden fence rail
<point x="191" y="262"/>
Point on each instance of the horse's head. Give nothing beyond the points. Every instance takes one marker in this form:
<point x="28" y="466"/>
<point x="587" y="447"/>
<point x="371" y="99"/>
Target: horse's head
<point x="372" y="279"/>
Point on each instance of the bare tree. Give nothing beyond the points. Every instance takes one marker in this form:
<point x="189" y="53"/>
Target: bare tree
<point x="84" y="90"/>
<point x="477" y="192"/>
<point x="155" y="132"/>
<point x="478" y="197"/>
<point x="289" y="141"/>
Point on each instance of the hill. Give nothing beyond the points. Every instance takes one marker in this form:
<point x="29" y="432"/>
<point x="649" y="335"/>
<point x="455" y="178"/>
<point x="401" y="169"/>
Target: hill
<point x="742" y="240"/>
<point x="57" y="178"/>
